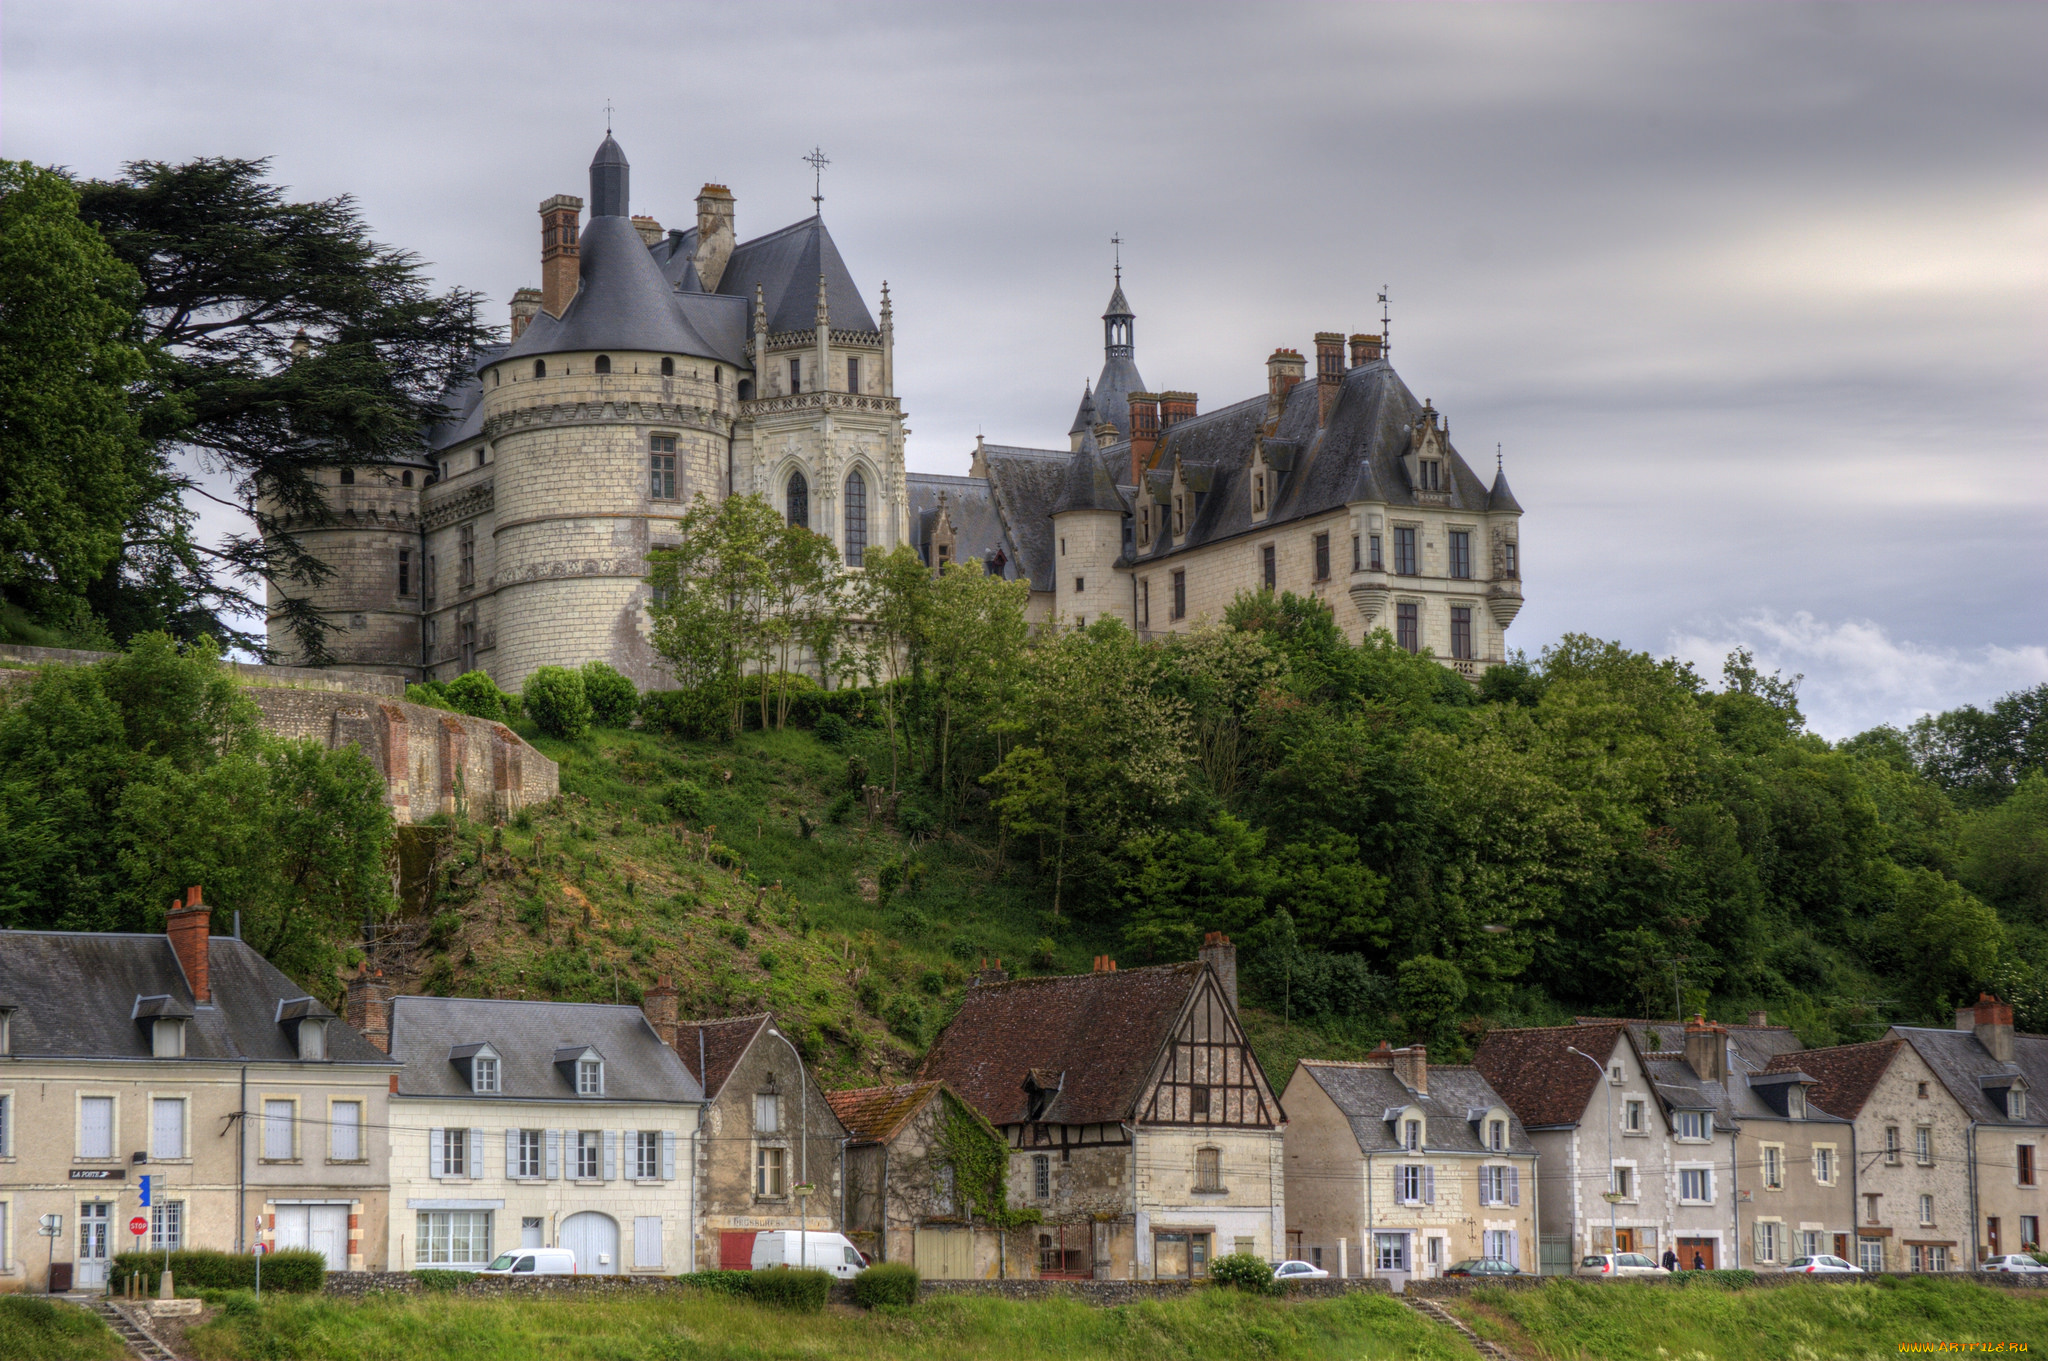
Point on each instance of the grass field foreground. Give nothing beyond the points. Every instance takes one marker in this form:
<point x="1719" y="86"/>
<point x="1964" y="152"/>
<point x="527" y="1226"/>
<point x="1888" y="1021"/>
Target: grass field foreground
<point x="1835" y="1321"/>
<point x="1212" y="1325"/>
<point x="33" y="1329"/>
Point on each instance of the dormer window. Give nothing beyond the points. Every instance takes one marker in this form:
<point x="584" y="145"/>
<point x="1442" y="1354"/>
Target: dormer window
<point x="1411" y="1135"/>
<point x="305" y="1020"/>
<point x="167" y="1038"/>
<point x="2015" y="1103"/>
<point x="6" y="1038"/>
<point x="1695" y="1125"/>
<point x="1431" y="478"/>
<point x="1258" y="493"/>
<point x="1497" y="1135"/>
<point x="589" y="1077"/>
<point x="1795" y="1102"/>
<point x="483" y="1074"/>
<point x="582" y="1067"/>
<point x="1180" y="515"/>
<point x="313" y="1038"/>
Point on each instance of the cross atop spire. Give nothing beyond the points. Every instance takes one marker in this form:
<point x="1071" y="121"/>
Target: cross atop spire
<point x="817" y="160"/>
<point x="607" y="118"/>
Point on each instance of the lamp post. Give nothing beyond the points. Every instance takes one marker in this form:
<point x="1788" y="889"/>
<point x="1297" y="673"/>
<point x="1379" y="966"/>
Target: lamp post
<point x="1610" y="1195"/>
<point x="803" y="1099"/>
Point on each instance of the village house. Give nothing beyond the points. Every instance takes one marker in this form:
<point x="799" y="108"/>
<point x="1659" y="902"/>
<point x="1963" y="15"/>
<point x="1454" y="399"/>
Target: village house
<point x="256" y="1114"/>
<point x="770" y="1154"/>
<point x="1591" y="1110"/>
<point x="903" y="1199"/>
<point x="1398" y="1168"/>
<point x="1139" y="1122"/>
<point x="537" y="1124"/>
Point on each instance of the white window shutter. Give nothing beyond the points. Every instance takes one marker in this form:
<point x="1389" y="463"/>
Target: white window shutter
<point x="554" y="1168"/>
<point x="1756" y="1255"/>
<point x="668" y="1156"/>
<point x="611" y="1154"/>
<point x="1514" y="1186"/>
<point x="1515" y="1246"/>
<point x="647" y="1241"/>
<point x="511" y="1154"/>
<point x="1429" y="1184"/>
<point x="475" y="1153"/>
<point x="437" y="1152"/>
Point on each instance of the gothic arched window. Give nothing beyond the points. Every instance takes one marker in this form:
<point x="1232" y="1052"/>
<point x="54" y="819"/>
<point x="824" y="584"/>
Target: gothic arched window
<point x="668" y="367"/>
<point x="856" y="517"/>
<point x="540" y="368"/>
<point x="799" y="500"/>
<point x="604" y="363"/>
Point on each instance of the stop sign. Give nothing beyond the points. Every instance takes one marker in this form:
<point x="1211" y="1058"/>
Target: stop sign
<point x="138" y="1226"/>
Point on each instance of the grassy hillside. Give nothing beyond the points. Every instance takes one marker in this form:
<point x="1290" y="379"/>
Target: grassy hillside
<point x="775" y="893"/>
<point x="34" y="1329"/>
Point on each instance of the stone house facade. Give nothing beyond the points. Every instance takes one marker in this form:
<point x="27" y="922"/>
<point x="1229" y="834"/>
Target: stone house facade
<point x="769" y="1132"/>
<point x="903" y="1199"/>
<point x="1399" y="1168"/>
<point x="537" y="1124"/>
<point x="1139" y="1122"/>
<point x="255" y="1112"/>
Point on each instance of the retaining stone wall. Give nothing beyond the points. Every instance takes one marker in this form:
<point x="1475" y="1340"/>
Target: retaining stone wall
<point x="1453" y="1287"/>
<point x="294" y="677"/>
<point x="356" y="1284"/>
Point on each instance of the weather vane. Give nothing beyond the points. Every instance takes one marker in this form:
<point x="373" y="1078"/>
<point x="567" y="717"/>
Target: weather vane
<point x="1497" y="464"/>
<point x="817" y="160"/>
<point x="607" y="118"/>
<point x="1385" y="319"/>
<point x="1117" y="240"/>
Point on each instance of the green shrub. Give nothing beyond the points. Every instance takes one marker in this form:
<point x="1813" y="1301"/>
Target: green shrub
<point x="556" y="702"/>
<point x="833" y="730"/>
<point x="1729" y="1278"/>
<point x="240" y="1304"/>
<point x="613" y="700"/>
<point x="718" y="1282"/>
<point x="1244" y="1271"/>
<point x="442" y="1282"/>
<point x="476" y="694"/>
<point x="856" y="771"/>
<point x="804" y="1291"/>
<point x="685" y="799"/>
<point x="886" y="1283"/>
<point x="915" y="820"/>
<point x="293" y="1270"/>
<point x="700" y="714"/>
<point x="433" y="694"/>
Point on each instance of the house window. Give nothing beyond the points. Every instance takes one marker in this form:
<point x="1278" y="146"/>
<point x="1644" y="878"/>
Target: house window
<point x="668" y="367"/>
<point x="1923" y="1145"/>
<point x="767" y="1113"/>
<point x="1432" y="475"/>
<point x="661" y="467"/>
<point x="405" y="478"/>
<point x="1696" y="1184"/>
<point x="1268" y="569"/>
<point x="348" y="477"/>
<point x="1080" y="585"/>
<point x="540" y="368"/>
<point x="604" y="363"/>
<point x="1632" y="1116"/>
<point x="1774" y="1167"/>
<point x="453" y="1237"/>
<point x="768" y="1177"/>
<point x="167" y="1226"/>
<point x="2015" y="1104"/>
<point x="1180" y="595"/>
<point x="1512" y="557"/>
<point x="1411" y="1135"/>
<point x="799" y="499"/>
<point x="1145" y="601"/>
<point x="796" y="375"/>
<point x="647" y="1155"/>
<point x="1145" y="524"/>
<point x="852" y="374"/>
<point x="1614" y="1075"/>
<point x="167" y="1127"/>
<point x="1198" y="1102"/>
<point x="1770" y="1240"/>
<point x="1870" y="1254"/>
<point x="1810" y="1242"/>
<point x="530" y="1144"/>
<point x="1372" y="542"/>
<point x="1258" y="493"/>
<point x="1891" y="1144"/>
<point x="484" y="1073"/>
<point x="1870" y="1199"/>
<point x="2030" y="1233"/>
<point x="1926" y="1211"/>
<point x="856" y="516"/>
<point x="1922" y="1091"/>
<point x="1461" y="554"/>
<point x="433" y="577"/>
<point x="1408" y="626"/>
<point x="1461" y="632"/>
<point x="405" y="571"/>
<point x="1180" y="515"/>
<point x="2026" y="1163"/>
<point x="1695" y="1125"/>
<point x="465" y="556"/>
<point x="589" y="1149"/>
<point x="1390" y="1252"/>
<point x="1408" y="1183"/>
<point x="1208" y="1169"/>
<point x="589" y="1077"/>
<point x="1404" y="552"/>
<point x="1356" y="563"/>
<point x="454" y="1153"/>
<point x="1322" y="557"/>
<point x="1494" y="1184"/>
<point x="1824" y="1165"/>
<point x="1497" y="1135"/>
<point x="1795" y="1102"/>
<point x="480" y="455"/>
<point x="1625" y="1182"/>
<point x="96" y="1127"/>
<point x="279" y="1136"/>
<point x="1041" y="1176"/>
<point x="6" y="1124"/>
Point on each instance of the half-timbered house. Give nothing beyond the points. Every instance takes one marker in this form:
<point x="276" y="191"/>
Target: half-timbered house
<point x="1139" y="1122"/>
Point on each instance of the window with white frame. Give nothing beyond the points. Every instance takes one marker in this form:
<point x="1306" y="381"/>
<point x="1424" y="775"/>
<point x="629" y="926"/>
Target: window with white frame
<point x="1870" y="1254"/>
<point x="647" y="1154"/>
<point x="1695" y="1124"/>
<point x="1411" y="1135"/>
<point x="1041" y="1176"/>
<point x="1696" y="1185"/>
<point x="1811" y="1242"/>
<point x="1923" y="1145"/>
<point x="6" y="1128"/>
<point x="483" y="1072"/>
<point x="96" y="1127"/>
<point x="1625" y="1181"/>
<point x="1891" y="1145"/>
<point x="1408" y="1180"/>
<point x="1499" y="1244"/>
<point x="280" y="1143"/>
<point x="590" y="1077"/>
<point x="1632" y="1115"/>
<point x="1825" y="1164"/>
<point x="769" y="1179"/>
<point x="1926" y="1211"/>
<point x="1497" y="1135"/>
<point x="1774" y="1167"/>
<point x="531" y="1143"/>
<point x="767" y="1113"/>
<point x="1493" y="1185"/>
<point x="167" y="1226"/>
<point x="1770" y="1240"/>
<point x="588" y="1145"/>
<point x="1795" y="1102"/>
<point x="345" y="1131"/>
<point x="453" y="1237"/>
<point x="167" y="1127"/>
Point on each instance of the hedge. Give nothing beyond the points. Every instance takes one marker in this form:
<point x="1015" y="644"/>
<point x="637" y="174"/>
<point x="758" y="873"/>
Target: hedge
<point x="804" y="1291"/>
<point x="440" y="1281"/>
<point x="886" y="1283"/>
<point x="719" y="1282"/>
<point x="296" y="1270"/>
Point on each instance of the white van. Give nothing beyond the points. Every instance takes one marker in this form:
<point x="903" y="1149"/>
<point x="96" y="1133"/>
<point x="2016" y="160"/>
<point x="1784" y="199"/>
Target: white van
<point x="820" y="1250"/>
<point x="533" y="1262"/>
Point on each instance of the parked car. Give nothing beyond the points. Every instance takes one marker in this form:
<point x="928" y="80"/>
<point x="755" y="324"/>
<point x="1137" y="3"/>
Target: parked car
<point x="1822" y="1264"/>
<point x="820" y="1250"/>
<point x="1613" y="1264"/>
<point x="1298" y="1271"/>
<point x="2014" y="1261"/>
<point x="1482" y="1266"/>
<point x="532" y="1262"/>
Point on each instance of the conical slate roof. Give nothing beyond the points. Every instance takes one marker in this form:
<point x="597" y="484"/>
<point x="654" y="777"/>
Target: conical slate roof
<point x="1088" y="484"/>
<point x="787" y="264"/>
<point x="1085" y="418"/>
<point x="610" y="180"/>
<point x="1500" y="498"/>
<point x="1118" y="305"/>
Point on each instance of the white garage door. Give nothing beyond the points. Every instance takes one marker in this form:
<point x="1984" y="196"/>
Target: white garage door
<point x="323" y="1228"/>
<point x="594" y="1238"/>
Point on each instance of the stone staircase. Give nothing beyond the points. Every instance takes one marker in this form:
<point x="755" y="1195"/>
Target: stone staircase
<point x="1436" y="1313"/>
<point x="140" y="1341"/>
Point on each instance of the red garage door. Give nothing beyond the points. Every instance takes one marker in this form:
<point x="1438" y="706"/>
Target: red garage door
<point x="736" y="1251"/>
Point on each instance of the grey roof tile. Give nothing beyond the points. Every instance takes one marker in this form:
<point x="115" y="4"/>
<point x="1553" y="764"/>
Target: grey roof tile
<point x="1366" y="1092"/>
<point x="1088" y="484"/>
<point x="1961" y="1061"/>
<point x="786" y="264"/>
<point x="970" y="505"/>
<point x="527" y="1037"/>
<point x="624" y="303"/>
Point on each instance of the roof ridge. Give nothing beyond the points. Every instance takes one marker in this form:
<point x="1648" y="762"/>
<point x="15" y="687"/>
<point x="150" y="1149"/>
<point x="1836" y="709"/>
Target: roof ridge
<point x="779" y="231"/>
<point x="501" y="1001"/>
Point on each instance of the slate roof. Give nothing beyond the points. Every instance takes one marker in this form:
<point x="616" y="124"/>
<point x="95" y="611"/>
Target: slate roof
<point x="1366" y="1092"/>
<point x="1961" y="1061"/>
<point x="874" y="1115"/>
<point x="76" y="996"/>
<point x="1088" y="484"/>
<point x="1085" y="415"/>
<point x="1847" y="1073"/>
<point x="978" y="530"/>
<point x="724" y="1042"/>
<point x="1537" y="1075"/>
<point x="786" y="263"/>
<point x="463" y="399"/>
<point x="1101" y="1031"/>
<point x="1025" y="484"/>
<point x="528" y="1038"/>
<point x="624" y="303"/>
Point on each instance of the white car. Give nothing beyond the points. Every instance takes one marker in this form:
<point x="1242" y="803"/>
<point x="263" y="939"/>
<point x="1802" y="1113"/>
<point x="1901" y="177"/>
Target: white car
<point x="1298" y="1271"/>
<point x="533" y="1261"/>
<point x="1613" y="1264"/>
<point x="2015" y="1261"/>
<point x="1823" y="1264"/>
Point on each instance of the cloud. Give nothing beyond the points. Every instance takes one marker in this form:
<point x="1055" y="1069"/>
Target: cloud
<point x="1857" y="674"/>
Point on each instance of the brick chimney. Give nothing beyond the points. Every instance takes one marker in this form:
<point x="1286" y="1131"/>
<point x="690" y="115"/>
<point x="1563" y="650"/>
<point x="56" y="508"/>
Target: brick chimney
<point x="1104" y="964"/>
<point x="1382" y="1057"/>
<point x="1219" y="954"/>
<point x="1991" y="1021"/>
<point x="1365" y="348"/>
<point x="189" y="925"/>
<point x="714" y="234"/>
<point x="1284" y="368"/>
<point x="1411" y="1065"/>
<point x="1144" y="431"/>
<point x="1759" y="1018"/>
<point x="1706" y="1049"/>
<point x="525" y="303"/>
<point x="658" y="1005"/>
<point x="987" y="974"/>
<point x="367" y="1006"/>
<point x="1175" y="407"/>
<point x="1329" y="373"/>
<point x="560" y="265"/>
<point x="649" y="229"/>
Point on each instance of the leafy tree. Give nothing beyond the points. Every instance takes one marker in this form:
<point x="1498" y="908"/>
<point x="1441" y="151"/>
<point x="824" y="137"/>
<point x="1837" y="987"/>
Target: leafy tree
<point x="1981" y="757"/>
<point x="894" y="599"/>
<point x="613" y="700"/>
<point x="805" y="608"/>
<point x="974" y="650"/>
<point x="556" y="702"/>
<point x="711" y="595"/>
<point x="2005" y="852"/>
<point x="1429" y="991"/>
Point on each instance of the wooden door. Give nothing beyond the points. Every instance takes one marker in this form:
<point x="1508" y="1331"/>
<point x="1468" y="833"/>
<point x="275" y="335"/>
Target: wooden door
<point x="1624" y="1240"/>
<point x="736" y="1250"/>
<point x="943" y="1254"/>
<point x="1701" y="1248"/>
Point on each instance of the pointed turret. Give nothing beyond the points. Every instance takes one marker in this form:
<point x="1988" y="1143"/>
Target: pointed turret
<point x="1085" y="417"/>
<point x="1120" y="377"/>
<point x="610" y="177"/>
<point x="1500" y="498"/>
<point x="1088" y="485"/>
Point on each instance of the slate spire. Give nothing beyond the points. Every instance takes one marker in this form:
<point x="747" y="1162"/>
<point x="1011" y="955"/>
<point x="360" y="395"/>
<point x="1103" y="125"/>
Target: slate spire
<point x="609" y="176"/>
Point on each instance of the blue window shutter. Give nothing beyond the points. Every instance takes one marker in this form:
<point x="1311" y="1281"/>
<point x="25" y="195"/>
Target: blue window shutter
<point x="1429" y="1183"/>
<point x="437" y="1152"/>
<point x="475" y="1168"/>
<point x="554" y="1154"/>
<point x="1514" y="1186"/>
<point x="611" y="1154"/>
<point x="511" y="1153"/>
<point x="668" y="1157"/>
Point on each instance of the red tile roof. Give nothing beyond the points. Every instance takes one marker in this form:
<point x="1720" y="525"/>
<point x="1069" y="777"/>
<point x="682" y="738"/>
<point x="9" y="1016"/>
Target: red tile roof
<point x="1536" y="1073"/>
<point x="875" y="1114"/>
<point x="1101" y="1031"/>
<point x="1847" y="1073"/>
<point x="724" y="1041"/>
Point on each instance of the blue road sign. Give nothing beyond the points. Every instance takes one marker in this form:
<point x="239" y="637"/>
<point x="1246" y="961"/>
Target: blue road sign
<point x="144" y="1183"/>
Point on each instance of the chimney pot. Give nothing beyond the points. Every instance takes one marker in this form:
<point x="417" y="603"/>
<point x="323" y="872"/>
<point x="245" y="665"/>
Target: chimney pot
<point x="658" y="1005"/>
<point x="1382" y="1057"/>
<point x="367" y="1007"/>
<point x="1219" y="954"/>
<point x="1284" y="368"/>
<point x="1759" y="1018"/>
<point x="1706" y="1048"/>
<point x="1329" y="373"/>
<point x="1411" y="1065"/>
<point x="560" y="265"/>
<point x="1365" y="348"/>
<point x="189" y="925"/>
<point x="649" y="229"/>
<point x="1144" y="431"/>
<point x="1991" y="1021"/>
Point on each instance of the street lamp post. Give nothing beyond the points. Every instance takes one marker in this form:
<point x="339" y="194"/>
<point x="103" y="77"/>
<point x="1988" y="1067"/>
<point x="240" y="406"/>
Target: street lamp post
<point x="1611" y="1195"/>
<point x="803" y="1098"/>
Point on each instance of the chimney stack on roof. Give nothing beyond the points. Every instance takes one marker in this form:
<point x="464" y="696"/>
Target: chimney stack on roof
<point x="1104" y="964"/>
<point x="367" y="1006"/>
<point x="1411" y="1065"/>
<point x="1175" y="407"/>
<point x="1219" y="954"/>
<point x="1365" y="348"/>
<point x="1284" y="368"/>
<point x="658" y="1005"/>
<point x="714" y="234"/>
<point x="1382" y="1057"/>
<point x="988" y="974"/>
<point x="1991" y="1021"/>
<point x="560" y="265"/>
<point x="649" y="229"/>
<point x="525" y="303"/>
<point x="1706" y="1049"/>
<point x="189" y="925"/>
<point x="1144" y="432"/>
<point x="1329" y="373"/>
<point x="1759" y="1018"/>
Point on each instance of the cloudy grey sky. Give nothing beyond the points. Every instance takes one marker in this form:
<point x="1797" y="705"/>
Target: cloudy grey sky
<point x="1753" y="298"/>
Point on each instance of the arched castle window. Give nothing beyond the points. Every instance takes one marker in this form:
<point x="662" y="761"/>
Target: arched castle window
<point x="495" y="378"/>
<point x="717" y="375"/>
<point x="856" y="517"/>
<point x="668" y="367"/>
<point x="405" y="478"/>
<point x="746" y="390"/>
<point x="348" y="477"/>
<point x="799" y="500"/>
<point x="604" y="363"/>
<point x="540" y="368"/>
